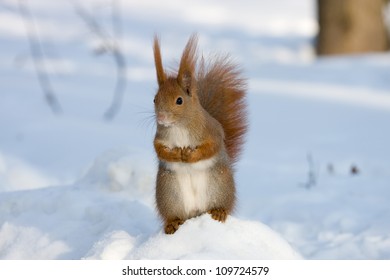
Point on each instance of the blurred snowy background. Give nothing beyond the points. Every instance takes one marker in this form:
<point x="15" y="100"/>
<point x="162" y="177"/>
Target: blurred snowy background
<point x="77" y="179"/>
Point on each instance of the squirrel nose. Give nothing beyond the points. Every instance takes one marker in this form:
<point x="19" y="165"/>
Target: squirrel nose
<point x="162" y="117"/>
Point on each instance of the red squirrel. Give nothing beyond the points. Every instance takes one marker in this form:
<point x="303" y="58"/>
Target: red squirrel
<point x="201" y="123"/>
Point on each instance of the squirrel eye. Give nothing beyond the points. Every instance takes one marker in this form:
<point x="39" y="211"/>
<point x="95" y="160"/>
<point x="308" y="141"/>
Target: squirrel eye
<point x="154" y="100"/>
<point x="179" y="101"/>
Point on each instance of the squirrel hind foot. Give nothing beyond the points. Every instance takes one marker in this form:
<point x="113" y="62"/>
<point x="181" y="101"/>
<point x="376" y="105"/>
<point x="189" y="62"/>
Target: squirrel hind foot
<point x="172" y="226"/>
<point x="218" y="214"/>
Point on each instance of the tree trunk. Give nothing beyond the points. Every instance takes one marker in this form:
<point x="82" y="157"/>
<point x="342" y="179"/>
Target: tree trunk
<point x="351" y="26"/>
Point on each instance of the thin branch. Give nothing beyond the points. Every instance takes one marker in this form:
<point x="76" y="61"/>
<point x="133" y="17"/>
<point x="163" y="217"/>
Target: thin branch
<point x="120" y="60"/>
<point x="120" y="85"/>
<point x="312" y="174"/>
<point x="112" y="47"/>
<point x="38" y="58"/>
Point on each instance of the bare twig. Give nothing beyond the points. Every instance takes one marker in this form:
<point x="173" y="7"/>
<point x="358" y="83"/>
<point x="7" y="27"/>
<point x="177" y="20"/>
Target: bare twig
<point x="111" y="46"/>
<point x="312" y="173"/>
<point x="38" y="58"/>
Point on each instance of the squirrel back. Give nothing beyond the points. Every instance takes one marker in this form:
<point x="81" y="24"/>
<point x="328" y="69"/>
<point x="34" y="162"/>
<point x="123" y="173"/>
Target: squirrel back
<point x="220" y="88"/>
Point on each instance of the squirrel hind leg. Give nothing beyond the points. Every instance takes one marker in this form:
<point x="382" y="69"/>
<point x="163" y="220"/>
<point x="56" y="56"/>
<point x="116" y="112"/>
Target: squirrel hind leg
<point x="171" y="226"/>
<point x="218" y="214"/>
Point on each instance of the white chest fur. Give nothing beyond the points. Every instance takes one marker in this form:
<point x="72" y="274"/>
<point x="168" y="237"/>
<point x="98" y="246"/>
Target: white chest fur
<point x="178" y="137"/>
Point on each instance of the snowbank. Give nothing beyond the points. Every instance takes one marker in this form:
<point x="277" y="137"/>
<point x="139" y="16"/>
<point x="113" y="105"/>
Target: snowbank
<point x="15" y="174"/>
<point x="109" y="214"/>
<point x="200" y="238"/>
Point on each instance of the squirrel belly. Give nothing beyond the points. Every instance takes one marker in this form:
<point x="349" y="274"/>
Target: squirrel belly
<point x="186" y="190"/>
<point x="195" y="187"/>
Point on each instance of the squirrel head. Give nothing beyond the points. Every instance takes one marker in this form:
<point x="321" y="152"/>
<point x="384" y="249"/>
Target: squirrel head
<point x="176" y="100"/>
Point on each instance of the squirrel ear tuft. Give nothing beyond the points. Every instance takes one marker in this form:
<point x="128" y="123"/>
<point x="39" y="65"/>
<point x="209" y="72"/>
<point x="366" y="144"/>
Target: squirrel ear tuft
<point x="161" y="77"/>
<point x="186" y="82"/>
<point x="188" y="60"/>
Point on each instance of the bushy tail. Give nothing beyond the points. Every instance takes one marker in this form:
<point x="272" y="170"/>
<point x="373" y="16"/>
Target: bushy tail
<point x="221" y="91"/>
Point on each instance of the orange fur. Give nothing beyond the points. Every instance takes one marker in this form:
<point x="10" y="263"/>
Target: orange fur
<point x="161" y="77"/>
<point x="185" y="76"/>
<point x="204" y="151"/>
<point x="167" y="154"/>
<point x="221" y="92"/>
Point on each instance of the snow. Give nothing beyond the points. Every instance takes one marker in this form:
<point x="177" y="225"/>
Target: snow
<point x="109" y="214"/>
<point x="200" y="238"/>
<point x="74" y="186"/>
<point x="16" y="174"/>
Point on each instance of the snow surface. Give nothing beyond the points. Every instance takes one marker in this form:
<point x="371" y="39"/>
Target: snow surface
<point x="109" y="214"/>
<point x="74" y="186"/>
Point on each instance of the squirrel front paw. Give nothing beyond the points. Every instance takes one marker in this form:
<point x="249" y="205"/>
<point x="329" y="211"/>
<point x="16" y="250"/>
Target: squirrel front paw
<point x="176" y="153"/>
<point x="188" y="155"/>
<point x="171" y="155"/>
<point x="167" y="154"/>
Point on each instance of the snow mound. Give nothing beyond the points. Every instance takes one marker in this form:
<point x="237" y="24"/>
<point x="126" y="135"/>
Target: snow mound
<point x="122" y="171"/>
<point x="15" y="174"/>
<point x="109" y="214"/>
<point x="25" y="242"/>
<point x="205" y="238"/>
<point x="199" y="238"/>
